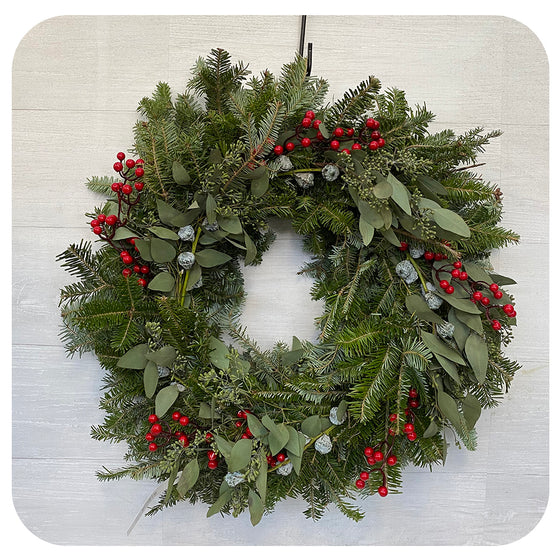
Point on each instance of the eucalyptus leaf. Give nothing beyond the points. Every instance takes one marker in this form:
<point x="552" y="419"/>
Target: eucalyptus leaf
<point x="437" y="346"/>
<point x="164" y="356"/>
<point x="135" y="358"/>
<point x="151" y="378"/>
<point x="390" y="236"/>
<point x="449" y="367"/>
<point x="312" y="426"/>
<point x="383" y="189"/>
<point x="256" y="427"/>
<point x="218" y="353"/>
<point x="220" y="503"/>
<point x="165" y="399"/>
<point x="251" y="249"/>
<point x="448" y="407"/>
<point x="256" y="507"/>
<point x="477" y="355"/>
<point x="208" y="258"/>
<point x="123" y="233"/>
<point x="143" y="246"/>
<point x="171" y="481"/>
<point x="431" y="430"/>
<point x="292" y="357"/>
<point x="195" y="273"/>
<point x="169" y="215"/>
<point x="211" y="209"/>
<point x="341" y="410"/>
<point x="417" y="304"/>
<point x="434" y="186"/>
<point x="231" y="224"/>
<point x="261" y="481"/>
<point x="278" y="435"/>
<point x="471" y="410"/>
<point x="474" y="322"/>
<point x="461" y="332"/>
<point x="224" y="446"/>
<point x="294" y="443"/>
<point x="240" y="455"/>
<point x="370" y="215"/>
<point x="162" y="282"/>
<point x="164" y="233"/>
<point x="367" y="231"/>
<point x="400" y="193"/>
<point x="205" y="411"/>
<point x="295" y="460"/>
<point x="476" y="272"/>
<point x="188" y="477"/>
<point x="502" y="280"/>
<point x="462" y="304"/>
<point x="259" y="186"/>
<point x="450" y="221"/>
<point x="180" y="174"/>
<point x="162" y="251"/>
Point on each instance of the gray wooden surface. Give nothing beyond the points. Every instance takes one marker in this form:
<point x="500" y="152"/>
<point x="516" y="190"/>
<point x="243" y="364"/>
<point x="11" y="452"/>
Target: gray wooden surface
<point x="76" y="84"/>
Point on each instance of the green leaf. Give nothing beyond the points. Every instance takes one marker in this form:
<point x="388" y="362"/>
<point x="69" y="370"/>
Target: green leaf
<point x="295" y="460"/>
<point x="162" y="251"/>
<point x="209" y="258"/>
<point x="162" y="282"/>
<point x="180" y="174"/>
<point x="170" y="215"/>
<point x="448" y="408"/>
<point x="432" y="185"/>
<point x="312" y="426"/>
<point x="240" y="455"/>
<point x="135" y="358"/>
<point x="431" y="430"/>
<point x="294" y="443"/>
<point x="205" y="411"/>
<point x="195" y="274"/>
<point x="224" y="446"/>
<point x="256" y="507"/>
<point x="151" y="378"/>
<point x="341" y="410"/>
<point x="474" y="322"/>
<point x="390" y="236"/>
<point x="123" y="233"/>
<point x="219" y="353"/>
<point x="417" y="304"/>
<point x="261" y="480"/>
<point x="164" y="356"/>
<point x="450" y="221"/>
<point x="370" y="215"/>
<point x="165" y="398"/>
<point x="461" y="332"/>
<point x="502" y="280"/>
<point x="383" y="189"/>
<point x="476" y="272"/>
<point x="278" y="436"/>
<point x="462" y="304"/>
<point x="219" y="504"/>
<point x="188" y="477"/>
<point x="471" y="410"/>
<point x="259" y="186"/>
<point x="211" y="209"/>
<point x="143" y="246"/>
<point x="171" y="481"/>
<point x="449" y="367"/>
<point x="256" y="427"/>
<point x="400" y="193"/>
<point x="367" y="231"/>
<point x="292" y="357"/>
<point x="164" y="233"/>
<point x="231" y="224"/>
<point x="251" y="249"/>
<point x="437" y="346"/>
<point x="477" y="355"/>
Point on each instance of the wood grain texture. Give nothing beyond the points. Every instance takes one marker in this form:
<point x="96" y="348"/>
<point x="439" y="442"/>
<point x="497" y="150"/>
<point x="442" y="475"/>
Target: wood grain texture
<point x="76" y="85"/>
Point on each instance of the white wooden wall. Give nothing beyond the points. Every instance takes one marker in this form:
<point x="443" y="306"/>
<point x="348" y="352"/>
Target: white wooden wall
<point x="76" y="84"/>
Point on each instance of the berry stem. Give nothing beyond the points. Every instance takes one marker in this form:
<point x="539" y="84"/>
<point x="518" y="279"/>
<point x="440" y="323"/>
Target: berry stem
<point x="419" y="271"/>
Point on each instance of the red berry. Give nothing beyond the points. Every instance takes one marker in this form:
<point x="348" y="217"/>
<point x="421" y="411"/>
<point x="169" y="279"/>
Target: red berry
<point x="368" y="451"/>
<point x="290" y="146"/>
<point x="498" y="294"/>
<point x="438" y="257"/>
<point x="316" y="124"/>
<point x="391" y="432"/>
<point x="457" y="264"/>
<point x="142" y="282"/>
<point x="463" y="275"/>
<point x="494" y="287"/>
<point x="513" y="313"/>
<point x="338" y="131"/>
<point x="139" y="161"/>
<point x="152" y="418"/>
<point x="364" y="475"/>
<point x="496" y="325"/>
<point x="449" y="290"/>
<point x="136" y="268"/>
<point x="176" y="415"/>
<point x="508" y="308"/>
<point x="429" y="256"/>
<point x="126" y="272"/>
<point x="130" y="163"/>
<point x="97" y="230"/>
<point x="335" y="144"/>
<point x="444" y="284"/>
<point x="306" y="142"/>
<point x="139" y="172"/>
<point x="124" y="254"/>
<point x="127" y="259"/>
<point x="411" y="436"/>
<point x="212" y="464"/>
<point x="373" y="145"/>
<point x="241" y="414"/>
<point x="152" y="446"/>
<point x="345" y="151"/>
<point x="382" y="491"/>
<point x="138" y="186"/>
<point x="126" y="189"/>
<point x="101" y="218"/>
<point x="278" y="150"/>
<point x="407" y="411"/>
<point x="370" y="122"/>
<point x="320" y="135"/>
<point x="375" y="125"/>
<point x="485" y="300"/>
<point x="310" y="115"/>
<point x="149" y="437"/>
<point x="184" y="441"/>
<point x="356" y="146"/>
<point x="360" y="483"/>
<point x="477" y="296"/>
<point x="306" y="122"/>
<point x="408" y="428"/>
<point x="392" y="418"/>
<point x="244" y="436"/>
<point x="111" y="220"/>
<point x="381" y="142"/>
<point x="391" y="460"/>
<point x="375" y="135"/>
<point x="370" y="460"/>
<point x="413" y="393"/>
<point x="120" y="156"/>
<point x="156" y="429"/>
<point x="209" y="436"/>
<point x="145" y="269"/>
<point x="184" y="420"/>
<point x="116" y="187"/>
<point x="238" y="423"/>
<point x="248" y="432"/>
<point x="456" y="273"/>
<point x="212" y="455"/>
<point x="118" y="166"/>
<point x="350" y="132"/>
<point x="414" y="403"/>
<point x="378" y="456"/>
<point x="280" y="457"/>
<point x="404" y="245"/>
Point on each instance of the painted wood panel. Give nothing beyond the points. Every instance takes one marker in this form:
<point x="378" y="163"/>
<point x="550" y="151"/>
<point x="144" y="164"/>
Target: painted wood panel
<point x="76" y="84"/>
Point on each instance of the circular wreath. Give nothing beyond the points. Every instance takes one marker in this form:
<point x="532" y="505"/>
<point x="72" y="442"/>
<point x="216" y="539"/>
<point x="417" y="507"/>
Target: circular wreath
<point x="398" y="228"/>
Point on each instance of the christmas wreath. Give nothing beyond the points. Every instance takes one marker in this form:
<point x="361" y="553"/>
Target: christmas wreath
<point x="398" y="227"/>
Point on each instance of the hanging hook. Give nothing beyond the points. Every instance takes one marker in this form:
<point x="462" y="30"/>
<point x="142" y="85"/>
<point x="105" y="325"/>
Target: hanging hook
<point x="309" y="45"/>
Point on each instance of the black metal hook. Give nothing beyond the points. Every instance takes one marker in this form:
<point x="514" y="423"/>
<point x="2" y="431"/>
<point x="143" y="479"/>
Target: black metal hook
<point x="309" y="45"/>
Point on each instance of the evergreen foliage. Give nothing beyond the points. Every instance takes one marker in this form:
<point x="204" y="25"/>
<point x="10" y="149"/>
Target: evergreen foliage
<point x="224" y="157"/>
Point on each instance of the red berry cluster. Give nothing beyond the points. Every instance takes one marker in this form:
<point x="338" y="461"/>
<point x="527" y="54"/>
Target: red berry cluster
<point x="166" y="433"/>
<point x="137" y="268"/>
<point x="479" y="291"/>
<point x="273" y="459"/>
<point x="369" y="136"/>
<point x="374" y="455"/>
<point x="242" y="415"/>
